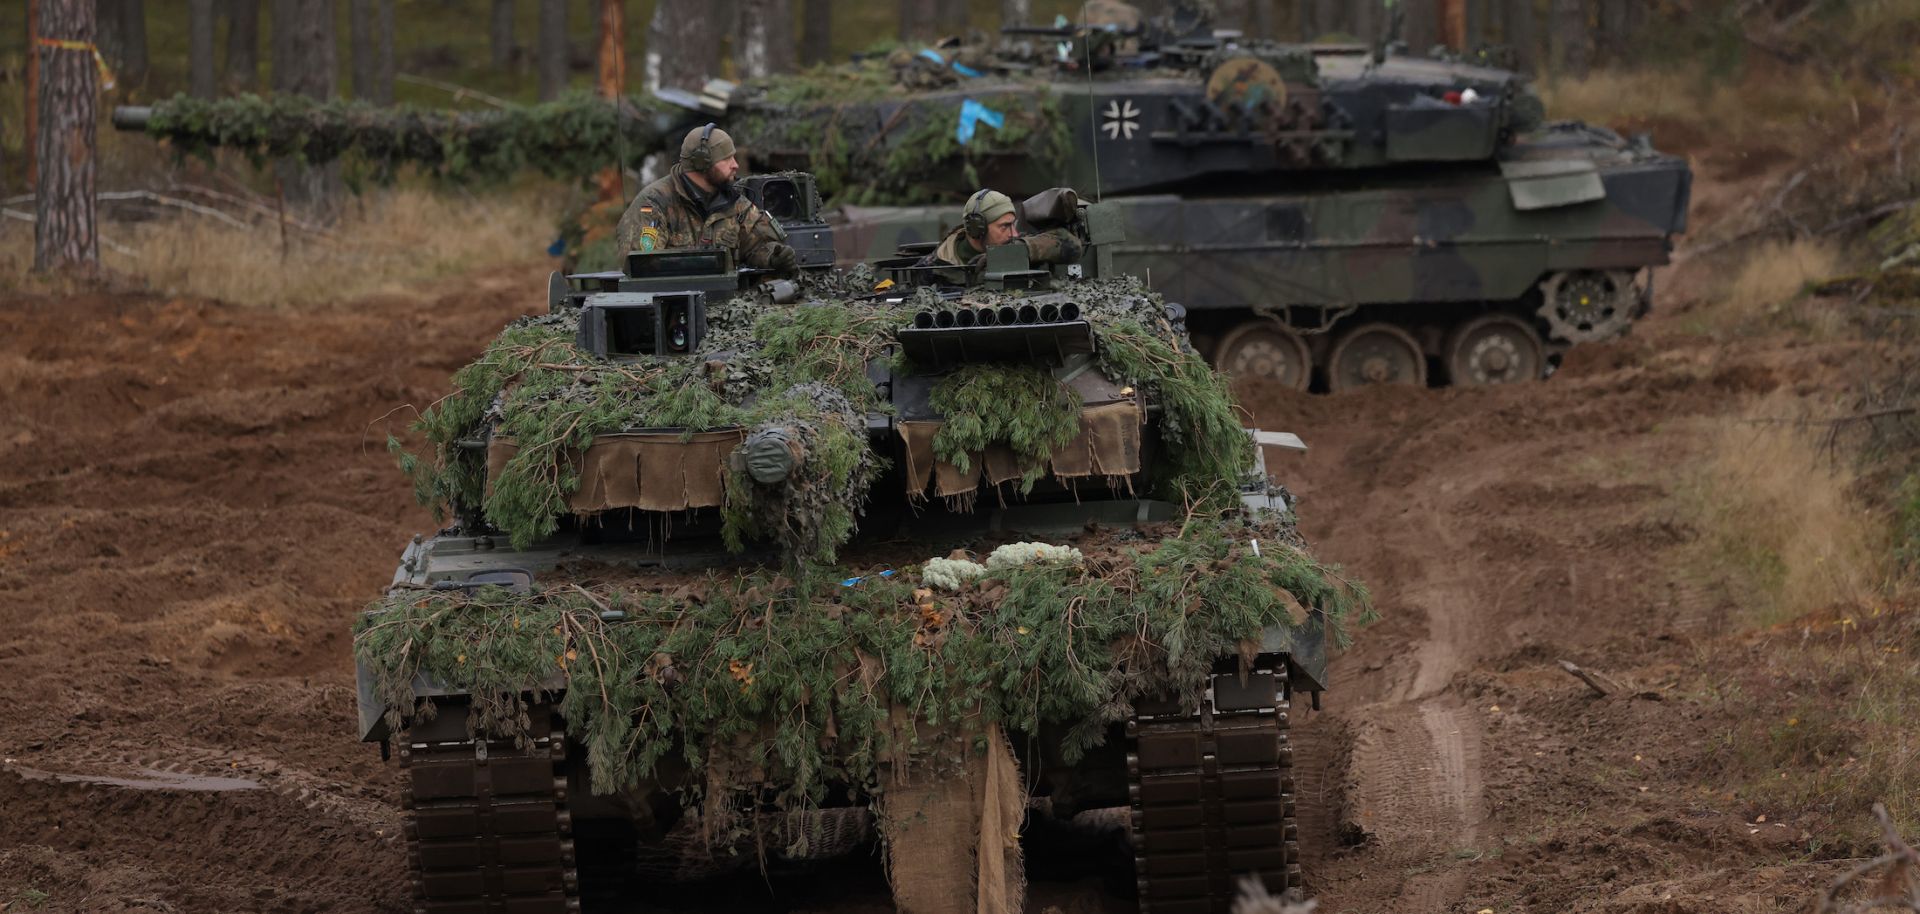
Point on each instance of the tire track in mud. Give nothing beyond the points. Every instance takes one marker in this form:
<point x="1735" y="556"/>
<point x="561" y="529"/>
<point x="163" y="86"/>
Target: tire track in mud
<point x="1413" y="780"/>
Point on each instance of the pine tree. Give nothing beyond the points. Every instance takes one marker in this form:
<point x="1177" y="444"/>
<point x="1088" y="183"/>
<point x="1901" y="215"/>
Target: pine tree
<point x="200" y="48"/>
<point x="65" y="234"/>
<point x="304" y="64"/>
<point x="553" y="49"/>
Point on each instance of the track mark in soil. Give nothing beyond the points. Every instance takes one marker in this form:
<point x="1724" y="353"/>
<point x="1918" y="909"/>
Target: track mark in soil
<point x="144" y="779"/>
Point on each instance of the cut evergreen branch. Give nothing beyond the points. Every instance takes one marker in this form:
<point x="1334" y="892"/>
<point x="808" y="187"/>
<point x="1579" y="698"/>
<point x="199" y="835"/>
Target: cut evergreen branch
<point x="1020" y="406"/>
<point x="812" y="671"/>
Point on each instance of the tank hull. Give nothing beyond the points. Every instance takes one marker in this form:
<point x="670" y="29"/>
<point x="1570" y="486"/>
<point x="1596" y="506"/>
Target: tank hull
<point x="1426" y="251"/>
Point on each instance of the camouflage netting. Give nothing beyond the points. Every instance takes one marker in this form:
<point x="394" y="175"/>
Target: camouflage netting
<point x="573" y="137"/>
<point x="779" y="685"/>
<point x="869" y="143"/>
<point x="804" y="686"/>
<point x="801" y="369"/>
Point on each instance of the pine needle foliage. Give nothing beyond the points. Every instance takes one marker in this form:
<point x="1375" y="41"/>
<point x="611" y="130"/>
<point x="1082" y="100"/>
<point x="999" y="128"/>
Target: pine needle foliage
<point x="804" y="368"/>
<point x="536" y="388"/>
<point x="757" y="672"/>
<point x="1207" y="453"/>
<point x="572" y="137"/>
<point x="1020" y="406"/>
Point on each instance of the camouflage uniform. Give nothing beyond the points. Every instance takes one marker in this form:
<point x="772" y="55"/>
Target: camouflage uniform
<point x="963" y="265"/>
<point x="686" y="216"/>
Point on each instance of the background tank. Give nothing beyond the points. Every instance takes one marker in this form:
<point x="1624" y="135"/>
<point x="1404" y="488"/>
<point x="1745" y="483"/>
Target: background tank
<point x="1328" y="214"/>
<point x="650" y="647"/>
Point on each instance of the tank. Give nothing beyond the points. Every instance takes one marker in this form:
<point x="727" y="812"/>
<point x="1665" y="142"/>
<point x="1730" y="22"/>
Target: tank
<point x="1331" y="215"/>
<point x="744" y="572"/>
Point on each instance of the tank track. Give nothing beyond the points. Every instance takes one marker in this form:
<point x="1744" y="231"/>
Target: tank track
<point x="488" y="831"/>
<point x="1211" y="791"/>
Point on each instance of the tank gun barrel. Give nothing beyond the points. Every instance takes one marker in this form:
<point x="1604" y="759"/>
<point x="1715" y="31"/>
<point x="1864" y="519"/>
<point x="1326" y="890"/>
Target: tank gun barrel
<point x="487" y="143"/>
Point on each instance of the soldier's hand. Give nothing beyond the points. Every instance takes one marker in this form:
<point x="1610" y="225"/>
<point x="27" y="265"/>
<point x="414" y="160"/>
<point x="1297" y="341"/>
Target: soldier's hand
<point x="782" y="259"/>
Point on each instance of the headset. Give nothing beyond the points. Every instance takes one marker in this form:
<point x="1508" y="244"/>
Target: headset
<point x="973" y="222"/>
<point x="701" y="158"/>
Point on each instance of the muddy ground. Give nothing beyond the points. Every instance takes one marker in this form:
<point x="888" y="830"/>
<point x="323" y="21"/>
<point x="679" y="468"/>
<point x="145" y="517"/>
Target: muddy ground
<point x="195" y="500"/>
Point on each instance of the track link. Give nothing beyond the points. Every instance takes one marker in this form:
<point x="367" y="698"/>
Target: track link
<point x="488" y="830"/>
<point x="1212" y="794"/>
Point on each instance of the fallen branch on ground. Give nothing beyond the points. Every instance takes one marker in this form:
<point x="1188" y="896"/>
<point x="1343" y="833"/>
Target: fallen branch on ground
<point x="1591" y="678"/>
<point x="1897" y="888"/>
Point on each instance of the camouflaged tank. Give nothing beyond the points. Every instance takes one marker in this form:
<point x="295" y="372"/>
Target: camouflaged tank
<point x="1331" y="215"/>
<point x="743" y="571"/>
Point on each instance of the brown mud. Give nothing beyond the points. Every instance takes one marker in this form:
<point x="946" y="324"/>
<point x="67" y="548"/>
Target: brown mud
<point x="195" y="500"/>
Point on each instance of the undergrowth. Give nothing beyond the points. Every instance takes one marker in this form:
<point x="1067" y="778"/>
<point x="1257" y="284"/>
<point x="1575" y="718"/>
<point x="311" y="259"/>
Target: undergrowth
<point x="386" y="241"/>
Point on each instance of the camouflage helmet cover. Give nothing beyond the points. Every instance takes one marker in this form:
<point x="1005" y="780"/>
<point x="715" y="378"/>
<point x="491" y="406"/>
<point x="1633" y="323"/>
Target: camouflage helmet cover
<point x="719" y="147"/>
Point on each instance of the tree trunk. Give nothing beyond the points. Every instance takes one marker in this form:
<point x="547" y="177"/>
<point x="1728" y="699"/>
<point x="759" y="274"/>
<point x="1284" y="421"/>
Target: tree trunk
<point x="683" y="42"/>
<point x="243" y="45"/>
<point x="1327" y="19"/>
<point x="112" y="39"/>
<point x="1453" y="24"/>
<point x="766" y="45"/>
<point x="1519" y="33"/>
<point x="500" y="34"/>
<point x="1570" y="47"/>
<point x="553" y="49"/>
<point x="1366" y="23"/>
<point x="951" y="16"/>
<point x="134" y="26"/>
<point x="370" y="26"/>
<point x="1304" y="24"/>
<point x="918" y="19"/>
<point x="32" y="146"/>
<point x="1421" y="27"/>
<point x="1015" y="12"/>
<point x="359" y="46"/>
<point x="383" y="68"/>
<point x="1260" y="23"/>
<point x="200" y="48"/>
<point x="304" y="64"/>
<point x="65" y="235"/>
<point x="816" y="35"/>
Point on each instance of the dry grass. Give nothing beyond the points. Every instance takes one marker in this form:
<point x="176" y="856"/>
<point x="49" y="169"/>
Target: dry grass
<point x="1764" y="292"/>
<point x="386" y="241"/>
<point x="1730" y="111"/>
<point x="1818" y="702"/>
<point x="1781" y="522"/>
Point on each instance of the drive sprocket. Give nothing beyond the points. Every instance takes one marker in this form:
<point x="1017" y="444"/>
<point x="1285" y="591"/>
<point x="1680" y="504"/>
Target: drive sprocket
<point x="1588" y="306"/>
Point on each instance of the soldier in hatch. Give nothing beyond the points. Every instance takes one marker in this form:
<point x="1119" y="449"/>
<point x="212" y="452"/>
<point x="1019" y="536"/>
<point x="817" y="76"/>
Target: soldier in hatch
<point x="697" y="205"/>
<point x="987" y="221"/>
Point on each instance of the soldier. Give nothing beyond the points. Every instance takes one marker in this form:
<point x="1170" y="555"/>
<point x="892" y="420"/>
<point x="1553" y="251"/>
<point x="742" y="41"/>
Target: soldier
<point x="987" y="221"/>
<point x="697" y="205"/>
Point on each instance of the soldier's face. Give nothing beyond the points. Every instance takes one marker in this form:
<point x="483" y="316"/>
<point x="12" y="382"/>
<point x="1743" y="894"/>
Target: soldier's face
<point x="722" y="173"/>
<point x="1002" y="230"/>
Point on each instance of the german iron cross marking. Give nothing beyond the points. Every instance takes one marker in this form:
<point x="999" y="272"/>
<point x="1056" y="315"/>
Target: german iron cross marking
<point x="1120" y="123"/>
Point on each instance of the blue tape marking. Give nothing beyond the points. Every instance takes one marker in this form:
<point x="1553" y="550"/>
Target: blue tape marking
<point x="973" y="113"/>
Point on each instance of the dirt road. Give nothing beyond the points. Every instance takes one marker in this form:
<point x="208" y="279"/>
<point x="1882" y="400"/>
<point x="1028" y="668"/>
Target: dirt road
<point x="194" y="501"/>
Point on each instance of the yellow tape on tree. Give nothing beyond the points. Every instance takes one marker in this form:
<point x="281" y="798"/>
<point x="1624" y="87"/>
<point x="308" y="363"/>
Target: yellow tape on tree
<point x="64" y="44"/>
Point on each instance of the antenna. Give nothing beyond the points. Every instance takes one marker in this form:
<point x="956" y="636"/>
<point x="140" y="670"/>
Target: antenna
<point x="1093" y="115"/>
<point x="620" y="121"/>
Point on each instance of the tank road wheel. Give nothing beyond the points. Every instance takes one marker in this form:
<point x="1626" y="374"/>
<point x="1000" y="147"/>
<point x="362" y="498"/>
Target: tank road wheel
<point x="1212" y="795"/>
<point x="1494" y="349"/>
<point x="487" y="824"/>
<point x="1265" y="350"/>
<point x="1587" y="306"/>
<point x="1376" y="354"/>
